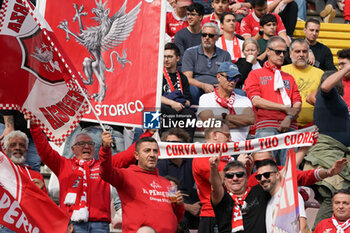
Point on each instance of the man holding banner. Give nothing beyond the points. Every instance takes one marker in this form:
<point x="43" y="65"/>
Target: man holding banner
<point x="201" y="174"/>
<point x="238" y="208"/>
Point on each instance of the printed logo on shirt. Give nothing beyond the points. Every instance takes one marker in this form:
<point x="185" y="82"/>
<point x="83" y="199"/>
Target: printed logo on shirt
<point x="151" y="120"/>
<point x="286" y="84"/>
<point x="155" y="185"/>
<point x="265" y="80"/>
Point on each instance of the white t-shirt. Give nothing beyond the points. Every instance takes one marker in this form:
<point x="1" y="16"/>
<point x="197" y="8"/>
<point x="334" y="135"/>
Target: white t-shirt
<point x="207" y="101"/>
<point x="271" y="207"/>
<point x="229" y="45"/>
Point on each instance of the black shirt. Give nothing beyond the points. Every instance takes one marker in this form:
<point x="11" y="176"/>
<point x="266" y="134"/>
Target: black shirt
<point x="253" y="214"/>
<point x="331" y="115"/>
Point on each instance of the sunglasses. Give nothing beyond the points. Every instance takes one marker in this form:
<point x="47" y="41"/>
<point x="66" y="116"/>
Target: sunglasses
<point x="82" y="143"/>
<point x="229" y="79"/>
<point x="230" y="175"/>
<point x="279" y="52"/>
<point x="208" y="34"/>
<point x="265" y="174"/>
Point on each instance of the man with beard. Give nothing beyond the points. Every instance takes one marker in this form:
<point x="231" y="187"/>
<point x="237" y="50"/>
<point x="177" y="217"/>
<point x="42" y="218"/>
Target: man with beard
<point x="16" y="149"/>
<point x="269" y="178"/>
<point x="306" y="77"/>
<point x="200" y="63"/>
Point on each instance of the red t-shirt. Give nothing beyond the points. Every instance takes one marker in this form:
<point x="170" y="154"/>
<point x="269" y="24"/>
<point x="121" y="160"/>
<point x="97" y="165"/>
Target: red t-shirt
<point x="250" y="25"/>
<point x="346" y="83"/>
<point x="174" y="24"/>
<point x="260" y="83"/>
<point x="201" y="174"/>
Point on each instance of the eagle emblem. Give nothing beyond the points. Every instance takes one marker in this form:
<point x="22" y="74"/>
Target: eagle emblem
<point x="106" y="35"/>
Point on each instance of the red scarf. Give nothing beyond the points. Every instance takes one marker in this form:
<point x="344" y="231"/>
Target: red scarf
<point x="273" y="68"/>
<point x="237" y="218"/>
<point x="228" y="104"/>
<point x="340" y="228"/>
<point x="77" y="193"/>
<point x="167" y="77"/>
<point x="237" y="53"/>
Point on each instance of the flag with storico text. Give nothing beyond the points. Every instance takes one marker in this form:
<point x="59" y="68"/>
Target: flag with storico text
<point x="23" y="206"/>
<point x="117" y="46"/>
<point x="37" y="78"/>
<point x="286" y="217"/>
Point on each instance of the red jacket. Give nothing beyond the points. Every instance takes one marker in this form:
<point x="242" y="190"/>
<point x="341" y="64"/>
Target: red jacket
<point x="144" y="197"/>
<point x="98" y="196"/>
<point x="304" y="178"/>
<point x="31" y="174"/>
<point x="260" y="82"/>
<point x="326" y="225"/>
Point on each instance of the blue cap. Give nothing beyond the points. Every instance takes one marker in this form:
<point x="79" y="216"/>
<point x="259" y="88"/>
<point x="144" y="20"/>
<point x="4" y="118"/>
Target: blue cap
<point x="230" y="69"/>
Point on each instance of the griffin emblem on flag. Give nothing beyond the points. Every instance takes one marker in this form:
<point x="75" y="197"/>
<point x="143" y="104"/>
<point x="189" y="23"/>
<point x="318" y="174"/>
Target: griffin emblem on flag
<point x="109" y="33"/>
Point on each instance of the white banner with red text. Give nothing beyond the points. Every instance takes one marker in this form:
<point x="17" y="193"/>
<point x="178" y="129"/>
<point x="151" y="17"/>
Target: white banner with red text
<point x="299" y="138"/>
<point x="37" y="78"/>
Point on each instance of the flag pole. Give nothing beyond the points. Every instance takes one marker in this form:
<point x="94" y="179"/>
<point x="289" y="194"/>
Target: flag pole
<point x="90" y="105"/>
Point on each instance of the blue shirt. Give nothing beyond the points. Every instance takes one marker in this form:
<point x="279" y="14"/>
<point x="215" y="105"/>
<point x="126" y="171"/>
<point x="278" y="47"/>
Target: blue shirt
<point x="204" y="69"/>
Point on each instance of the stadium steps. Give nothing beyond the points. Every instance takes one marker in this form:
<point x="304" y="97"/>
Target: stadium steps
<point x="335" y="36"/>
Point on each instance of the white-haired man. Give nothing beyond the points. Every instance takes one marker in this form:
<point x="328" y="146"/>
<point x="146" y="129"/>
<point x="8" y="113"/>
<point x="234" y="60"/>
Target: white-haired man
<point x="200" y="63"/>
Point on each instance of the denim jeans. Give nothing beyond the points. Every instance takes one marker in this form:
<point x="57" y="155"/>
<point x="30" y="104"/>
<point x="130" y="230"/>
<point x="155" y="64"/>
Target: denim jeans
<point x="301" y="9"/>
<point x="5" y="230"/>
<point x="95" y="133"/>
<point x="279" y="155"/>
<point x="33" y="158"/>
<point x="91" y="227"/>
<point x="196" y="94"/>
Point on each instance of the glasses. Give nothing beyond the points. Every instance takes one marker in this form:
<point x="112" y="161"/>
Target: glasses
<point x="279" y="52"/>
<point x="230" y="175"/>
<point x="208" y="34"/>
<point x="265" y="174"/>
<point x="229" y="79"/>
<point x="82" y="143"/>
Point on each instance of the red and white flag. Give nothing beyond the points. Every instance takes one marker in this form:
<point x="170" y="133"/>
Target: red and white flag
<point x="37" y="78"/>
<point x="118" y="47"/>
<point x="23" y="206"/>
<point x="286" y="216"/>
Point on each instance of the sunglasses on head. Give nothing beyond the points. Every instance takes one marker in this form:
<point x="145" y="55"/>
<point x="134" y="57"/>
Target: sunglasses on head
<point x="229" y="79"/>
<point x="265" y="174"/>
<point x="230" y="175"/>
<point x="208" y="34"/>
<point x="278" y="52"/>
